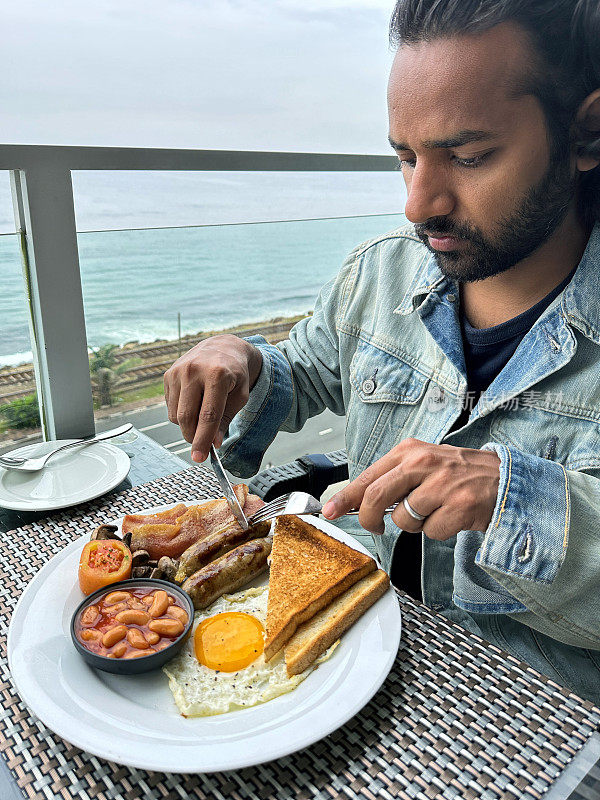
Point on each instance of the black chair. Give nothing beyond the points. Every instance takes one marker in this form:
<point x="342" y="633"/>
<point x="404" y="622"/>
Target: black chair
<point x="310" y="473"/>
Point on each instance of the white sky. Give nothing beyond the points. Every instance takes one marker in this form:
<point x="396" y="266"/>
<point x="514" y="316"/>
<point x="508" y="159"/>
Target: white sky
<point x="307" y="75"/>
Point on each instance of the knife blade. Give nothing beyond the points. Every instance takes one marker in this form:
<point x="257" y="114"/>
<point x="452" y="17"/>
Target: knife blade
<point x="227" y="489"/>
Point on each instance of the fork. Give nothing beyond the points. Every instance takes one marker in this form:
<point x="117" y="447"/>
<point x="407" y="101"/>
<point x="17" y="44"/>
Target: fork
<point x="296" y="503"/>
<point x="35" y="464"/>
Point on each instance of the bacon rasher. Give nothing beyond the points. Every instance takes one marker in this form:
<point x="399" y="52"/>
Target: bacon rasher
<point x="169" y="533"/>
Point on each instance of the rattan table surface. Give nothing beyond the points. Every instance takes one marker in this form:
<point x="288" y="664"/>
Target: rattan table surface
<point x="456" y="718"/>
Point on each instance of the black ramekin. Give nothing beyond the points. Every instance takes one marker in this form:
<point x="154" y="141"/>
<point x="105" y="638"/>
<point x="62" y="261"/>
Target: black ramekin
<point x="134" y="666"/>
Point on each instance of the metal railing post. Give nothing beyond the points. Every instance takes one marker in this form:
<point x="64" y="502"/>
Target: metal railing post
<point x="45" y="217"/>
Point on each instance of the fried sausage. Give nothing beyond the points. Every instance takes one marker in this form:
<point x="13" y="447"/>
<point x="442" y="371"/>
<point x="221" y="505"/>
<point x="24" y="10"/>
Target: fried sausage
<point x="228" y="573"/>
<point x="214" y="546"/>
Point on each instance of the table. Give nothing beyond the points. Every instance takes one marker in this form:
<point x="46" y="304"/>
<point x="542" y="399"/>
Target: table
<point x="456" y="718"/>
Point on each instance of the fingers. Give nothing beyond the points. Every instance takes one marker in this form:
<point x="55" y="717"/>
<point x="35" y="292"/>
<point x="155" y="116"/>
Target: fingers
<point x="189" y="402"/>
<point x="208" y="421"/>
<point x="382" y="493"/>
<point x="444" y="523"/>
<point x="207" y="386"/>
<point x="403" y="459"/>
<point x="453" y="488"/>
<point x="424" y="499"/>
<point x="351" y="496"/>
<point x="172" y="389"/>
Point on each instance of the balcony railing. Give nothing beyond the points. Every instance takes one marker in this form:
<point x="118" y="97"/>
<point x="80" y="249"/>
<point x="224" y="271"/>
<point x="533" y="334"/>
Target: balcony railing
<point x="43" y="203"/>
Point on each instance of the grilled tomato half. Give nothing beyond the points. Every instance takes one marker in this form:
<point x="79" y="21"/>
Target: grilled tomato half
<point x="103" y="562"/>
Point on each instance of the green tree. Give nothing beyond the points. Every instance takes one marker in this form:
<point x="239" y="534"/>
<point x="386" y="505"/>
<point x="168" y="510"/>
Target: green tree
<point x="106" y="372"/>
<point x="22" y="413"/>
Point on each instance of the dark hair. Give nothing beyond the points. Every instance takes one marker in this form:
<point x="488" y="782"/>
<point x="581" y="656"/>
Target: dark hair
<point x="566" y="38"/>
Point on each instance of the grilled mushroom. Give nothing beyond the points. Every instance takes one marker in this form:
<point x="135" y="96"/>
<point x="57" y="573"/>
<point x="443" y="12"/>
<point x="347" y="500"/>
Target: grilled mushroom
<point x="141" y="572"/>
<point x="168" y="567"/>
<point x="140" y="558"/>
<point x="105" y="532"/>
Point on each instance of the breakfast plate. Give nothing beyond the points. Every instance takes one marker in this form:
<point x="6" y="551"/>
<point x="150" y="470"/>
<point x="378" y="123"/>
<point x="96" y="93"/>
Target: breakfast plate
<point x="133" y="720"/>
<point x="72" y="477"/>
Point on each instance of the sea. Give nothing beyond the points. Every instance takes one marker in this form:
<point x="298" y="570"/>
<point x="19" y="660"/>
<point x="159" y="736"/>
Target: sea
<point x="211" y="250"/>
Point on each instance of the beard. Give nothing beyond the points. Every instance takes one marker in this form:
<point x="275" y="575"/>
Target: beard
<point x="539" y="214"/>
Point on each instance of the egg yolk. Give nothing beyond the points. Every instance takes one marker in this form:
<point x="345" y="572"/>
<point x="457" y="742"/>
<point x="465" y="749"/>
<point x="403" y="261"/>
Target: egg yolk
<point x="228" y="642"/>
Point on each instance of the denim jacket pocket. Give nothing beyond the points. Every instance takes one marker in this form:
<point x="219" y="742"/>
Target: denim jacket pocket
<point x="385" y="392"/>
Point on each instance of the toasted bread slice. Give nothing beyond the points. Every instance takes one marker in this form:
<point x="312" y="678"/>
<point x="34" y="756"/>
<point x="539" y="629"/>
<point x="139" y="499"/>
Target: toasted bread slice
<point x="315" y="636"/>
<point x="308" y="570"/>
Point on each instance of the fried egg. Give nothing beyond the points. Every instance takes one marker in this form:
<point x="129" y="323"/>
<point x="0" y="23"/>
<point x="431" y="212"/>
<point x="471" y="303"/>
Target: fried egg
<point x="222" y="667"/>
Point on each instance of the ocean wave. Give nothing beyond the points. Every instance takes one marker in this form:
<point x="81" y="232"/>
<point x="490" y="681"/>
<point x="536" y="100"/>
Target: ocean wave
<point x="14" y="359"/>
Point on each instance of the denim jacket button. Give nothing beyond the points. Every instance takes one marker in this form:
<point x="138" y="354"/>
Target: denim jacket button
<point x="451" y="298"/>
<point x="368" y="386"/>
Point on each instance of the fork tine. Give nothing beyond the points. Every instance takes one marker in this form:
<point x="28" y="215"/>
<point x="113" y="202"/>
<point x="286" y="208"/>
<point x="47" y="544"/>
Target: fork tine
<point x="278" y="502"/>
<point x="270" y="508"/>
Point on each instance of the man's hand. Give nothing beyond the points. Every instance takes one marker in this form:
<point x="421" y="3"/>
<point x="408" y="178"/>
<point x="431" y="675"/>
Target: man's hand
<point x="207" y="386"/>
<point x="455" y="488"/>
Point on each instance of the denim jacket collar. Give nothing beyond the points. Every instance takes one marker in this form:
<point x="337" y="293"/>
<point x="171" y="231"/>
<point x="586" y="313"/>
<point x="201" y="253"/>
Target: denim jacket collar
<point x="580" y="300"/>
<point x="427" y="279"/>
<point x="550" y="343"/>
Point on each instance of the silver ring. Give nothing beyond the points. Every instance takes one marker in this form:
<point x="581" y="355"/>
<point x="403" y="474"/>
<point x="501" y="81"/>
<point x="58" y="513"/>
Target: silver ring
<point x="412" y="512"/>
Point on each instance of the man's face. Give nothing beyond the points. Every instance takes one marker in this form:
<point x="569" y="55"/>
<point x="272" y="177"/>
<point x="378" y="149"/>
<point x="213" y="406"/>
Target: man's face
<point x="483" y="190"/>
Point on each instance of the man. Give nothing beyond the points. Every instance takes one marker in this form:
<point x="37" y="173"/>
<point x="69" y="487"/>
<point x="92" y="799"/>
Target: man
<point x="464" y="348"/>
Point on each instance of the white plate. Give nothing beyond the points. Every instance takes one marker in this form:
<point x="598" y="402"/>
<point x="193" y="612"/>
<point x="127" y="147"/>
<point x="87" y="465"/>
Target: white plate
<point x="72" y="477"/>
<point x="133" y="720"/>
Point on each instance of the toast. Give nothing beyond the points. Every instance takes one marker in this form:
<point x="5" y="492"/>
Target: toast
<point x="308" y="570"/>
<point x="315" y="636"/>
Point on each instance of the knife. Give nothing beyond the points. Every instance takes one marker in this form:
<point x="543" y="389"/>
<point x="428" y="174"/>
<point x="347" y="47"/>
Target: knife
<point x="227" y="489"/>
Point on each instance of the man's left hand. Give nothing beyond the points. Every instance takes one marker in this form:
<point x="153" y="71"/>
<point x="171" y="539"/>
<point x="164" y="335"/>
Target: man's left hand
<point x="454" y="488"/>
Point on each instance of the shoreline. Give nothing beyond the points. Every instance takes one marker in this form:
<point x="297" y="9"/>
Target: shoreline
<point x="154" y="357"/>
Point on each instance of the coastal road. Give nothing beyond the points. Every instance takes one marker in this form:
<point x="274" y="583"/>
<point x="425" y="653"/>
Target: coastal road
<point x="321" y="434"/>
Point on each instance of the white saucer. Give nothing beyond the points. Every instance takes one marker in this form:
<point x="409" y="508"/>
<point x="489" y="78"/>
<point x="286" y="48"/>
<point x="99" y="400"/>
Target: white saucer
<point x="72" y="477"/>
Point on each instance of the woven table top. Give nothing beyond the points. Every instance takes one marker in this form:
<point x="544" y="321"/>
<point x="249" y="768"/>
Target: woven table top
<point x="456" y="718"/>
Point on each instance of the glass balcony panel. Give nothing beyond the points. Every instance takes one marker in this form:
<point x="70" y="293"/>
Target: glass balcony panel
<point x="138" y="285"/>
<point x="7" y="218"/>
<point x="19" y="414"/>
<point x="126" y="199"/>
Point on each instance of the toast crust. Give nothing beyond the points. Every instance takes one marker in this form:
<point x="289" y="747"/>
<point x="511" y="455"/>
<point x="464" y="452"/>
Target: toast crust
<point x="314" y="637"/>
<point x="308" y="570"/>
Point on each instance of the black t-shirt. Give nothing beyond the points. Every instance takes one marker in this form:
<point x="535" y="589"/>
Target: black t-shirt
<point x="487" y="351"/>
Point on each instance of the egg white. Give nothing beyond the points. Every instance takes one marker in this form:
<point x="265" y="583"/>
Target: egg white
<point x="200" y="691"/>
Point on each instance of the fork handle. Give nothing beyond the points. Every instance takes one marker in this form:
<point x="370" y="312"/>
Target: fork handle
<point x="388" y="510"/>
<point x="100" y="437"/>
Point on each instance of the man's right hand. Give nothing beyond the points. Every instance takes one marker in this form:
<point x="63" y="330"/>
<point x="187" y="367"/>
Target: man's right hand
<point x="207" y="386"/>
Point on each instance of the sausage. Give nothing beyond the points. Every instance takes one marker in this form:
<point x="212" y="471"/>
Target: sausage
<point x="215" y="545"/>
<point x="228" y="573"/>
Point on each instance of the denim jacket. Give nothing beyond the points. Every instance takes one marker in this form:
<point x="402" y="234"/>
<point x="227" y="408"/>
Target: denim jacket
<point x="384" y="348"/>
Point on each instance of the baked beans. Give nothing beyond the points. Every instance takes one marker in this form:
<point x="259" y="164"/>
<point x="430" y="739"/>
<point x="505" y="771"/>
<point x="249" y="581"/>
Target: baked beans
<point x="146" y="621"/>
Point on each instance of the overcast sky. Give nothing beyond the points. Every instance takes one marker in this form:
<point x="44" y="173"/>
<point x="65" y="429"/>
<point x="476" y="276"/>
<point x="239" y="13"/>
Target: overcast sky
<point x="306" y="75"/>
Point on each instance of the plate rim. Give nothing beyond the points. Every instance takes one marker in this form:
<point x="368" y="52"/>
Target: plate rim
<point x="123" y="468"/>
<point x="89" y="742"/>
